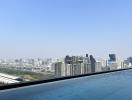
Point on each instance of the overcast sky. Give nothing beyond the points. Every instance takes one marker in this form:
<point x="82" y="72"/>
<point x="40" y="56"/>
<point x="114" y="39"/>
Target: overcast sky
<point x="55" y="28"/>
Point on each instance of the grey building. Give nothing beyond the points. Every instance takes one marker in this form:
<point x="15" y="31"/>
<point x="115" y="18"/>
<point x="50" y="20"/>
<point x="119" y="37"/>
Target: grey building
<point x="60" y="69"/>
<point x="112" y="57"/>
<point x="93" y="63"/>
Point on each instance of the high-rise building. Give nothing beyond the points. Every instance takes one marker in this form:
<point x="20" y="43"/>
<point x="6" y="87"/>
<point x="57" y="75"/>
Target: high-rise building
<point x="112" y="57"/>
<point x="129" y="59"/>
<point x="68" y="65"/>
<point x="68" y="60"/>
<point x="128" y="62"/>
<point x="86" y="65"/>
<point x="68" y="69"/>
<point x="112" y="62"/>
<point x="98" y="67"/>
<point x="113" y="65"/>
<point x="74" y="63"/>
<point x="93" y="62"/>
<point x="60" y="69"/>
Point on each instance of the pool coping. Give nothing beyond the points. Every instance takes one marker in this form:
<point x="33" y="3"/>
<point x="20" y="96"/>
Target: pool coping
<point x="22" y="84"/>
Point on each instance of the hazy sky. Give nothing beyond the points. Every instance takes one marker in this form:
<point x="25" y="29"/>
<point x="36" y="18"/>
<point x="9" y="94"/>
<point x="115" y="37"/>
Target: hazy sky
<point x="54" y="28"/>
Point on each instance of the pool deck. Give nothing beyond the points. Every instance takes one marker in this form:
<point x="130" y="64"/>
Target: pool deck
<point x="107" y="86"/>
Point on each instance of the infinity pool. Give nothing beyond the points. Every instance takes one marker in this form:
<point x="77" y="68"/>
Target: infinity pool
<point x="109" y="86"/>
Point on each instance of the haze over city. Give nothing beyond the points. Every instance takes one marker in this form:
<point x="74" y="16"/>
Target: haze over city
<point x="55" y="28"/>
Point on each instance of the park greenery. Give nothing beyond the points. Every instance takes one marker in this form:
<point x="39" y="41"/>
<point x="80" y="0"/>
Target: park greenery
<point x="27" y="75"/>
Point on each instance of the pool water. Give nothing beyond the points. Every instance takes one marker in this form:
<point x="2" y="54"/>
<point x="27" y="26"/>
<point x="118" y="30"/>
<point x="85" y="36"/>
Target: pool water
<point x="109" y="86"/>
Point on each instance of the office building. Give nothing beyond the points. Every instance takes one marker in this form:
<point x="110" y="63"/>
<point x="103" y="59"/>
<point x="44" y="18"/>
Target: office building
<point x="98" y="66"/>
<point x="87" y="65"/>
<point x="60" y="69"/>
<point x="112" y="57"/>
<point x="93" y="62"/>
<point x="112" y="62"/>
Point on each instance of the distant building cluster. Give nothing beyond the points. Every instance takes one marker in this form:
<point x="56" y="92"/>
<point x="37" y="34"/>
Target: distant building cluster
<point x="67" y="66"/>
<point x="77" y="65"/>
<point x="34" y="65"/>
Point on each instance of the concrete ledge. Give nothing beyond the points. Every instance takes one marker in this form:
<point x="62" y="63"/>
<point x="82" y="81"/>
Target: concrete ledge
<point x="55" y="79"/>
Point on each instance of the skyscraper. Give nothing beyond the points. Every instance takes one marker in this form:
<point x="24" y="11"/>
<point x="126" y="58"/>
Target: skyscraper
<point x="129" y="59"/>
<point x="112" y="57"/>
<point x="68" y="67"/>
<point x="112" y="62"/>
<point x="86" y="65"/>
<point x="74" y="65"/>
<point x="93" y="62"/>
<point x="98" y="67"/>
<point x="60" y="69"/>
<point x="68" y="60"/>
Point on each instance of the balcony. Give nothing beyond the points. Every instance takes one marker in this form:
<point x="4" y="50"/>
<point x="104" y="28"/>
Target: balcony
<point x="107" y="86"/>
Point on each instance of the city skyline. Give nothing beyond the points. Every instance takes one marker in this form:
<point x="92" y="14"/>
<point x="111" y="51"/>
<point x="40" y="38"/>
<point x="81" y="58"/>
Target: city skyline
<point x="37" y="28"/>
